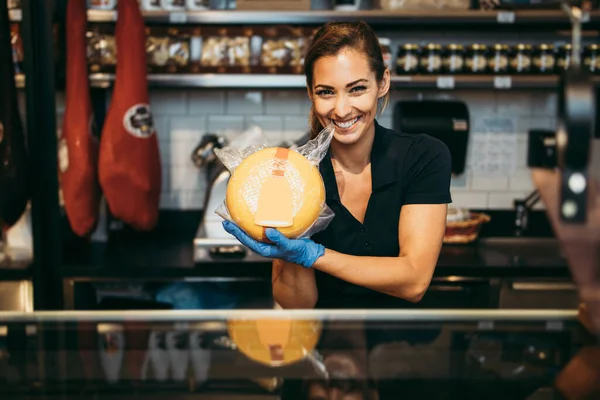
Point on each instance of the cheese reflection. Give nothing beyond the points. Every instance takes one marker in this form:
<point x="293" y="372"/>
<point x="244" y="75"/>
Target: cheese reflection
<point x="275" y="342"/>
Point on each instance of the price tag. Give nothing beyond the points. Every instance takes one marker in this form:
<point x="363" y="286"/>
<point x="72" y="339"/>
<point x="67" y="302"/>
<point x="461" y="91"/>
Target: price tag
<point x="445" y="82"/>
<point x="502" y="82"/>
<point x="554" y="326"/>
<point x="178" y="18"/>
<point x="485" y="325"/>
<point x="15" y="15"/>
<point x="505" y="17"/>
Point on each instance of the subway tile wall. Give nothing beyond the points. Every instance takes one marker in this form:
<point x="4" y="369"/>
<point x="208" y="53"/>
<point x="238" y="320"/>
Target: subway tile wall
<point x="183" y="116"/>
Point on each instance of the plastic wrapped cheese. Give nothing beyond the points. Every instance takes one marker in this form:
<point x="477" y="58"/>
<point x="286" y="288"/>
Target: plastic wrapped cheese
<point x="277" y="187"/>
<point x="275" y="342"/>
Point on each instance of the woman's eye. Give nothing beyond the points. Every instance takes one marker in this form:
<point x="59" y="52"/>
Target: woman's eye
<point x="357" y="89"/>
<point x="324" y="92"/>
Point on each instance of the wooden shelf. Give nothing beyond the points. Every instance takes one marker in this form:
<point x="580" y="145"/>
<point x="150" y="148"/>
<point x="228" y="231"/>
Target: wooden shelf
<point x="374" y="17"/>
<point x="258" y="81"/>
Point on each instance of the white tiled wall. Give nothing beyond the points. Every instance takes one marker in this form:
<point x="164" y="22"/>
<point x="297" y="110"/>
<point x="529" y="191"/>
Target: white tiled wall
<point x="183" y="116"/>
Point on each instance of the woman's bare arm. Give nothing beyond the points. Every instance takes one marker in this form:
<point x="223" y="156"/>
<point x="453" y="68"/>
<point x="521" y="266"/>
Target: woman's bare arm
<point x="421" y="232"/>
<point x="293" y="285"/>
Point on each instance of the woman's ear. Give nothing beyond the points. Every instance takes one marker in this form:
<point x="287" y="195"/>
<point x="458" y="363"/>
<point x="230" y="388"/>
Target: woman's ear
<point x="384" y="85"/>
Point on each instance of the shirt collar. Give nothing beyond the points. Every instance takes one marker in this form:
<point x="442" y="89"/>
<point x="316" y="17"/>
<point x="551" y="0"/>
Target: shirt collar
<point x="384" y="164"/>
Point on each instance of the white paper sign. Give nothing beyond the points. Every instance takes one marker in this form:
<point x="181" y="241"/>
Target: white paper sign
<point x="494" y="147"/>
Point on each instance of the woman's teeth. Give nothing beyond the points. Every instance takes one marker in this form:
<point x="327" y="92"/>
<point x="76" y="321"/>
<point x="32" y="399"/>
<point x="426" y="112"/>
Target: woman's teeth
<point x="345" y="125"/>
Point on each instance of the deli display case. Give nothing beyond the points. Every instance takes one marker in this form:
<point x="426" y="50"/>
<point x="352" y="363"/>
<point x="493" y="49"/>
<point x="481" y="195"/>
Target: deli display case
<point x="283" y="354"/>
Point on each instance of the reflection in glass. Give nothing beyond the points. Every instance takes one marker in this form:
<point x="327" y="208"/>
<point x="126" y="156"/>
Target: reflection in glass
<point x="316" y="355"/>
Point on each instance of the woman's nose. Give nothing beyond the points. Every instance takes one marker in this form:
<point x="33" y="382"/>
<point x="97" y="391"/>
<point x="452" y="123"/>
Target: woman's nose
<point x="342" y="107"/>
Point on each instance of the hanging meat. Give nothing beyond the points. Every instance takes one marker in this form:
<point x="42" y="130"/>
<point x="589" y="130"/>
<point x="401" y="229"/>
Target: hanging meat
<point x="78" y="145"/>
<point x="14" y="159"/>
<point x="129" y="166"/>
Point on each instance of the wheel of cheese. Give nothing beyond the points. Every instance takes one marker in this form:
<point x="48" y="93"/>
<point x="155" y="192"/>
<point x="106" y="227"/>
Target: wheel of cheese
<point x="275" y="187"/>
<point x="275" y="342"/>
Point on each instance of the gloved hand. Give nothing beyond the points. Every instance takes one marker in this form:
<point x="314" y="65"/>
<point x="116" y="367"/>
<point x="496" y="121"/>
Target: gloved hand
<point x="299" y="251"/>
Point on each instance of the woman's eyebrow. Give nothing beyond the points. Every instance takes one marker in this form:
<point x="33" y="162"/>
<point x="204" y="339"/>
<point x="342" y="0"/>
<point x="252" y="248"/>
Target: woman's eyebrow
<point x="348" y="85"/>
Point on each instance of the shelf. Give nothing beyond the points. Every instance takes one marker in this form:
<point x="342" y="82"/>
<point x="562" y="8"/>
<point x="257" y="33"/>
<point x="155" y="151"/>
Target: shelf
<point x="249" y="81"/>
<point x="15" y="270"/>
<point x="373" y="17"/>
<point x="166" y="257"/>
<point x="485" y="82"/>
<point x="211" y="80"/>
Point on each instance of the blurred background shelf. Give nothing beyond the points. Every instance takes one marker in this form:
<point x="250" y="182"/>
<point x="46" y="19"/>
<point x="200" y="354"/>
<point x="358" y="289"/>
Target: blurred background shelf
<point x="287" y="81"/>
<point x="15" y="270"/>
<point x="374" y="17"/>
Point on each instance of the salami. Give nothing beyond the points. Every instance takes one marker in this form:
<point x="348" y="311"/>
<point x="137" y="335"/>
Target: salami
<point x="78" y="146"/>
<point x="14" y="159"/>
<point x="129" y="165"/>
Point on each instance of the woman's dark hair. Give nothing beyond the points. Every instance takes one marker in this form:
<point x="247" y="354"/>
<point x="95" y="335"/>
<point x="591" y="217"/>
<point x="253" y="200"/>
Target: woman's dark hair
<point x="334" y="37"/>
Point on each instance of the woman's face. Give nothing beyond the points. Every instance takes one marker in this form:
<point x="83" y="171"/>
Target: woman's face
<point x="345" y="92"/>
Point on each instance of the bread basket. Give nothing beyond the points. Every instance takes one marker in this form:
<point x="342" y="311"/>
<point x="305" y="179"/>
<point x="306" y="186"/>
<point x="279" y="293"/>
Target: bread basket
<point x="463" y="226"/>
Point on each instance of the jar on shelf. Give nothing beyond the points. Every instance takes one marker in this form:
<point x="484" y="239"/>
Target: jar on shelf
<point x="431" y="59"/>
<point x="476" y="59"/>
<point x="520" y="60"/>
<point x="591" y="58"/>
<point x="453" y="59"/>
<point x="563" y="59"/>
<point x="544" y="59"/>
<point x="498" y="59"/>
<point x="386" y="52"/>
<point x="407" y="60"/>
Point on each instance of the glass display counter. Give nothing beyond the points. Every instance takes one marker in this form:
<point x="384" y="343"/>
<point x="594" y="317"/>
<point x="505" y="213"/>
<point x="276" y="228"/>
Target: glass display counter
<point x="276" y="354"/>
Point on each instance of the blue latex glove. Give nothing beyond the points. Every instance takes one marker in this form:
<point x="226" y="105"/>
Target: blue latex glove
<point x="299" y="251"/>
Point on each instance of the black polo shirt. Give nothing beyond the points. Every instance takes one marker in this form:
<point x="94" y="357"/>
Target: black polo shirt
<point x="405" y="169"/>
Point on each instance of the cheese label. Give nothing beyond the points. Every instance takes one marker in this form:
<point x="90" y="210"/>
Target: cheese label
<point x="275" y="187"/>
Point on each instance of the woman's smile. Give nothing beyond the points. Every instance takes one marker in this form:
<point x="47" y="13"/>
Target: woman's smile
<point x="346" y="124"/>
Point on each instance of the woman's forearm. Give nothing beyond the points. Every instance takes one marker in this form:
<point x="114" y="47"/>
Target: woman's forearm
<point x="395" y="276"/>
<point x="293" y="285"/>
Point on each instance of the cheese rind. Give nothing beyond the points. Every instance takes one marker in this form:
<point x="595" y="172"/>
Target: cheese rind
<point x="248" y="180"/>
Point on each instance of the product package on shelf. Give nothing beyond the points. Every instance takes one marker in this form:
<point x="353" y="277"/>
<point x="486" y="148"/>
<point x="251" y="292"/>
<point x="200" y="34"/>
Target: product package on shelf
<point x="498" y="59"/>
<point x="277" y="187"/>
<point x="102" y="49"/>
<point x="243" y="50"/>
<point x="168" y="50"/>
<point x="283" y="49"/>
<point x="208" y="49"/>
<point x="224" y="49"/>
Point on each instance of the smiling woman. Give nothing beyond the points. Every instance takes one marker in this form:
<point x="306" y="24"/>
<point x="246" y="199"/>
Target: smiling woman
<point x="389" y="191"/>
